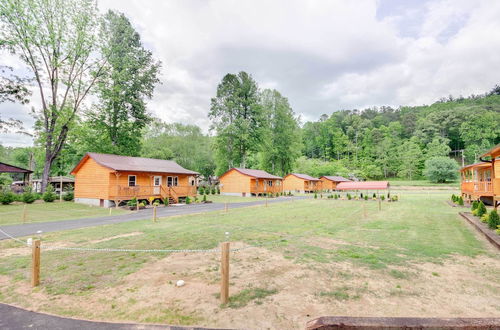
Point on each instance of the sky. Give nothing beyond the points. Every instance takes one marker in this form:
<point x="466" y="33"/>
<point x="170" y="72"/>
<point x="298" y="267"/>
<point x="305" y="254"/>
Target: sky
<point x="323" y="56"/>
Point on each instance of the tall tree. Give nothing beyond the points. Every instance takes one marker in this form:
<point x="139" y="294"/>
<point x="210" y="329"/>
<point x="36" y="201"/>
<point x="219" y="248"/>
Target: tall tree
<point x="238" y="119"/>
<point x="130" y="76"/>
<point x="282" y="143"/>
<point x="57" y="40"/>
<point x="12" y="89"/>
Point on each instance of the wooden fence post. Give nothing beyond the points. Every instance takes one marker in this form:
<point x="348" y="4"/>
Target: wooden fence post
<point x="35" y="263"/>
<point x="364" y="208"/>
<point x="379" y="204"/>
<point x="224" y="267"/>
<point x="154" y="213"/>
<point x="24" y="213"/>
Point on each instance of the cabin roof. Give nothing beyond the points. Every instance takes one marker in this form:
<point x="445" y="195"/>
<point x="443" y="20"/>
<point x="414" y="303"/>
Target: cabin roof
<point x="363" y="185"/>
<point x="479" y="164"/>
<point x="304" y="177"/>
<point x="6" y="168"/>
<point x="335" y="178"/>
<point x="134" y="164"/>
<point x="258" y="174"/>
<point x="56" y="179"/>
<point x="493" y="152"/>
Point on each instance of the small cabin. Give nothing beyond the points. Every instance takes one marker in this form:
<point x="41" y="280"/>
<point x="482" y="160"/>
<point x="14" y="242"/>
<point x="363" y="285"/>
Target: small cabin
<point x="248" y="182"/>
<point x="108" y="180"/>
<point x="330" y="182"/>
<point x="303" y="183"/>
<point x="481" y="181"/>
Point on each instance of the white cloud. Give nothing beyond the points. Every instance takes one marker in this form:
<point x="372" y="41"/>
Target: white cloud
<point x="322" y="55"/>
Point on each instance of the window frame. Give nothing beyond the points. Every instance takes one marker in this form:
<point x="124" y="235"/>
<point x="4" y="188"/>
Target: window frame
<point x="135" y="180"/>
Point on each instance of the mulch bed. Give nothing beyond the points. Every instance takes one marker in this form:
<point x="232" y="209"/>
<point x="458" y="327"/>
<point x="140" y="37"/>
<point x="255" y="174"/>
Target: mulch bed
<point x="450" y="203"/>
<point x="345" y="322"/>
<point x="490" y="235"/>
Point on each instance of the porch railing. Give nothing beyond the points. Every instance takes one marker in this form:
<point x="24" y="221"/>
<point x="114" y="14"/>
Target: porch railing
<point x="268" y="189"/>
<point x="142" y="191"/>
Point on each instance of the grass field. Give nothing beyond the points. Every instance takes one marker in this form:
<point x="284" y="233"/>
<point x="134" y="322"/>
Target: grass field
<point x="416" y="257"/>
<point x="422" y="183"/>
<point x="40" y="212"/>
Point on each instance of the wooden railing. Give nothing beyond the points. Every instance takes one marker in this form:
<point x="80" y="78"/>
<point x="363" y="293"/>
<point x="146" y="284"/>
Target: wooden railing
<point x="483" y="186"/>
<point x="269" y="189"/>
<point x="126" y="192"/>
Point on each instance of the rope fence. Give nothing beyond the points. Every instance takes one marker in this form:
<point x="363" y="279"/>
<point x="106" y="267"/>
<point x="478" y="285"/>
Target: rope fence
<point x="36" y="246"/>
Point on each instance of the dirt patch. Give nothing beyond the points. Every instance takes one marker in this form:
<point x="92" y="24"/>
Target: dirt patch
<point x="460" y="286"/>
<point x="135" y="233"/>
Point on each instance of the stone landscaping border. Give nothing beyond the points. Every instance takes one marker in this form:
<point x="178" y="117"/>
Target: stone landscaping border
<point x="490" y="235"/>
<point x="371" y="323"/>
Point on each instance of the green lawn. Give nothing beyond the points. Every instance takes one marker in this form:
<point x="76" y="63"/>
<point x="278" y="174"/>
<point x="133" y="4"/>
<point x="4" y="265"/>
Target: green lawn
<point x="422" y="183"/>
<point x="42" y="212"/>
<point x="318" y="235"/>
<point x="231" y="199"/>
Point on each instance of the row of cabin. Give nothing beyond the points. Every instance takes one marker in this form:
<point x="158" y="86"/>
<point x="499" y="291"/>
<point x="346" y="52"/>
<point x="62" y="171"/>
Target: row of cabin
<point x="481" y="181"/>
<point x="248" y="182"/>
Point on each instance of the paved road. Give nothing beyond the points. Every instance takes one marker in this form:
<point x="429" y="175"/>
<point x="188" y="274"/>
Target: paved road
<point x="32" y="228"/>
<point x="13" y="318"/>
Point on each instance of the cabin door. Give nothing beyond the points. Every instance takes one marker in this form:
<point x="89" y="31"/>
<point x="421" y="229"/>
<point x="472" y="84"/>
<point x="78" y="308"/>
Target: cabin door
<point x="156" y="184"/>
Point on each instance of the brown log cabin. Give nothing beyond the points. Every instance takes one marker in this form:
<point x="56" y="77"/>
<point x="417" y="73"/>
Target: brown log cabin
<point x="481" y="181"/>
<point x="248" y="182"/>
<point x="108" y="180"/>
<point x="330" y="182"/>
<point x="296" y="182"/>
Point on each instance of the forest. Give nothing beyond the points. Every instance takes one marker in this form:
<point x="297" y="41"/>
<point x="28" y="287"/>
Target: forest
<point x="102" y="79"/>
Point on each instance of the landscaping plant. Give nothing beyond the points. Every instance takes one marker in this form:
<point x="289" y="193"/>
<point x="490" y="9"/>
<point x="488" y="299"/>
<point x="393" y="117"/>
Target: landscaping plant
<point x="6" y="196"/>
<point x="28" y="196"/>
<point x="188" y="200"/>
<point x="68" y="196"/>
<point x="461" y="201"/>
<point x="493" y="220"/>
<point x="481" y="209"/>
<point x="474" y="206"/>
<point x="49" y="195"/>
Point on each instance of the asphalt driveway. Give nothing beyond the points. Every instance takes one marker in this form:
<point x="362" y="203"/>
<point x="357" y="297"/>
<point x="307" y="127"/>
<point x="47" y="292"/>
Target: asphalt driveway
<point x="46" y="227"/>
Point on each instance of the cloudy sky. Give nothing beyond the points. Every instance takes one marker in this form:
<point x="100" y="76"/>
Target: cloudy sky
<point x="322" y="55"/>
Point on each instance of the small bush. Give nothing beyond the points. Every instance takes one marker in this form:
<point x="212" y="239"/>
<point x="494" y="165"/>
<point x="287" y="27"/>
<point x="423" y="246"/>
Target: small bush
<point x="474" y="205"/>
<point x="133" y="202"/>
<point x="204" y="197"/>
<point x="374" y="195"/>
<point x="382" y="197"/>
<point x="366" y="197"/>
<point x="218" y="190"/>
<point x="68" y="196"/>
<point x="28" y="196"/>
<point x="141" y="204"/>
<point x="493" y="220"/>
<point x="361" y="195"/>
<point x="315" y="195"/>
<point x="475" y="212"/>
<point x="481" y="209"/>
<point x="460" y="201"/>
<point x="188" y="200"/>
<point x="201" y="190"/>
<point x="213" y="190"/>
<point x="349" y="196"/>
<point x="156" y="203"/>
<point x="453" y="198"/>
<point x="49" y="196"/>
<point x="484" y="218"/>
<point x="394" y="198"/>
<point x="6" y="196"/>
<point x="166" y="201"/>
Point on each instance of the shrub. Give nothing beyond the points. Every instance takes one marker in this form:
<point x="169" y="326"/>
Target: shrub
<point x="460" y="201"/>
<point x="374" y="195"/>
<point x="361" y="195"/>
<point x="204" y="197"/>
<point x="188" y="200"/>
<point x="141" y="204"/>
<point x="218" y="190"/>
<point x="6" y="196"/>
<point x="28" y="196"/>
<point x="474" y="205"/>
<point x="49" y="196"/>
<point x="493" y="220"/>
<point x="484" y="218"/>
<point x="212" y="190"/>
<point x="474" y="212"/>
<point x="366" y="197"/>
<point x="440" y="169"/>
<point x="68" y="196"/>
<point x="166" y="201"/>
<point x="201" y="190"/>
<point x="133" y="202"/>
<point x="453" y="198"/>
<point x="382" y="197"/>
<point x="349" y="196"/>
<point x="315" y="195"/>
<point x="336" y="196"/>
<point x="481" y="209"/>
<point x="156" y="203"/>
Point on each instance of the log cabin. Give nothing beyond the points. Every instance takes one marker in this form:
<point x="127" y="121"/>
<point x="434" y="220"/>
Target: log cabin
<point x="330" y="182"/>
<point x="303" y="183"/>
<point x="481" y="181"/>
<point x="247" y="182"/>
<point x="108" y="180"/>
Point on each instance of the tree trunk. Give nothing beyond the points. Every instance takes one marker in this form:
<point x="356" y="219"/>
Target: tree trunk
<point x="46" y="171"/>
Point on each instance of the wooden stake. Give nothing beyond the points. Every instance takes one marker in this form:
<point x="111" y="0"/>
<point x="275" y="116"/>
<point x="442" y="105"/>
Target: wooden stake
<point x="224" y="268"/>
<point x="266" y="200"/>
<point x="379" y="204"/>
<point x="364" y="208"/>
<point x="225" y="207"/>
<point x="154" y="213"/>
<point x="24" y="213"/>
<point x="35" y="263"/>
<point x="110" y="210"/>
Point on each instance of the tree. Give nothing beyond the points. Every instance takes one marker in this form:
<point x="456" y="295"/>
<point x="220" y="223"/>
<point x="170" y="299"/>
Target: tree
<point x="238" y="119"/>
<point x="57" y="40"/>
<point x="282" y="140"/>
<point x="12" y="89"/>
<point x="438" y="147"/>
<point x="411" y="156"/>
<point x="441" y="169"/>
<point x="129" y="77"/>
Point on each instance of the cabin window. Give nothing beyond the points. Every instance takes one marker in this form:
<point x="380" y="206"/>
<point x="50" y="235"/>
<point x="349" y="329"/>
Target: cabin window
<point x="131" y="180"/>
<point x="270" y="183"/>
<point x="172" y="181"/>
